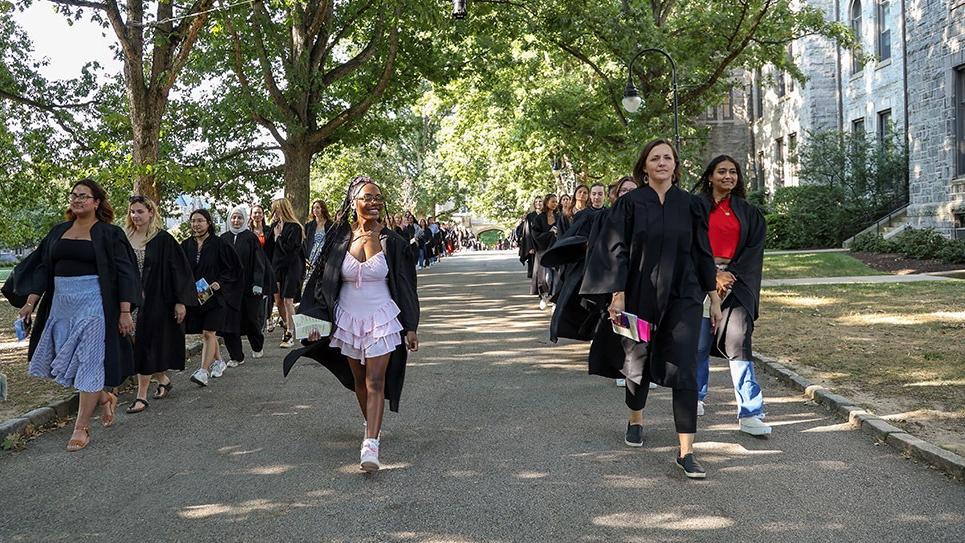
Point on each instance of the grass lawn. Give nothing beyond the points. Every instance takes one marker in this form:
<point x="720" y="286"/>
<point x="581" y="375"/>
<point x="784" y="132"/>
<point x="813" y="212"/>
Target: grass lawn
<point x="23" y="392"/>
<point x="4" y="273"/>
<point x="790" y="266"/>
<point x="898" y="349"/>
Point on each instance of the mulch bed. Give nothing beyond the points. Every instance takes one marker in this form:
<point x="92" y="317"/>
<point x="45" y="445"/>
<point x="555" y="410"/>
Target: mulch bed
<point x="900" y="265"/>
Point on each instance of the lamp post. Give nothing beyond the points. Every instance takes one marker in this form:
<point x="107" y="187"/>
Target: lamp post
<point x="632" y="100"/>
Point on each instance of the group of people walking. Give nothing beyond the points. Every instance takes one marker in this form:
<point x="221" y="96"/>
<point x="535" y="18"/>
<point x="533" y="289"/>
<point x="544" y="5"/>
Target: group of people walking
<point x="113" y="302"/>
<point x="658" y="281"/>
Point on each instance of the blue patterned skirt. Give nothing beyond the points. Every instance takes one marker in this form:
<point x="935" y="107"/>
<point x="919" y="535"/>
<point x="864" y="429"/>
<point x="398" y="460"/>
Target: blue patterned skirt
<point x="71" y="347"/>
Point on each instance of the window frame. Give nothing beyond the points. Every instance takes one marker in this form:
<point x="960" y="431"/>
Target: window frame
<point x="779" y="161"/>
<point x="885" y="122"/>
<point x="960" y="120"/>
<point x="855" y="21"/>
<point x="882" y="30"/>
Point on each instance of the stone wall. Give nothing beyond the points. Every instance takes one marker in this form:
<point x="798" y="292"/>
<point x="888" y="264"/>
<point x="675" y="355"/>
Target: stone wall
<point x="935" y="32"/>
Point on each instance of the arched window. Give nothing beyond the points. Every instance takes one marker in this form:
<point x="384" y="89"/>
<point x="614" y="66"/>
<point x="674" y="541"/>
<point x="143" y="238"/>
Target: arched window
<point x="854" y="16"/>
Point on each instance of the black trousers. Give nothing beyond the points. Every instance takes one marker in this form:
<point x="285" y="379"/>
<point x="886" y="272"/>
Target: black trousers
<point x="684" y="406"/>
<point x="232" y="342"/>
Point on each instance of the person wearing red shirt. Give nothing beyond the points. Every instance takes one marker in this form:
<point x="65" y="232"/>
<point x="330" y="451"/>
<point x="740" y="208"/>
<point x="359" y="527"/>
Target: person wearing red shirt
<point x="736" y="231"/>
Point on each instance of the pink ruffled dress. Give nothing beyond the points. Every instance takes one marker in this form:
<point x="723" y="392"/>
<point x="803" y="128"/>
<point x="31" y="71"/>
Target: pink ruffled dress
<point x="366" y="318"/>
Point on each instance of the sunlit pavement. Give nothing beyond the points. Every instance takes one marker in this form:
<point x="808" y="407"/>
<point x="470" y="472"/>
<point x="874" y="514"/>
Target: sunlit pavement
<point x="502" y="436"/>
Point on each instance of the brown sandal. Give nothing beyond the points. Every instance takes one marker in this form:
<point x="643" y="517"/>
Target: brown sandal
<point x="163" y="390"/>
<point x="134" y="407"/>
<point x="110" y="406"/>
<point x="75" y="445"/>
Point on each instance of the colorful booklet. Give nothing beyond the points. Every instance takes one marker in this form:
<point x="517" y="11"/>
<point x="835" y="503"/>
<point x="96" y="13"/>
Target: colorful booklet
<point x="633" y="327"/>
<point x="205" y="291"/>
<point x="305" y="325"/>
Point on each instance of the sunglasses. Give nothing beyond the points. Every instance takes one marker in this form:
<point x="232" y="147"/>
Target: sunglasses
<point x="136" y="200"/>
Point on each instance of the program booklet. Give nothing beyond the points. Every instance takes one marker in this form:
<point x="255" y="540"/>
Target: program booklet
<point x="205" y="291"/>
<point x="633" y="327"/>
<point x="304" y="325"/>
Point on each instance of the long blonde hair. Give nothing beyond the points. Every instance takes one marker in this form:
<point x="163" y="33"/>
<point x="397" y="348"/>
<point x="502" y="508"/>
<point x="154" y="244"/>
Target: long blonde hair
<point x="282" y="210"/>
<point x="153" y="227"/>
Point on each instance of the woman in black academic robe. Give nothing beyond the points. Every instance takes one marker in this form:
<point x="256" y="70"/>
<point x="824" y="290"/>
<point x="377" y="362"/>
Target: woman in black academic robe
<point x="653" y="257"/>
<point x="288" y="262"/>
<point x="213" y="260"/>
<point x="168" y="289"/>
<point x="364" y="377"/>
<point x="245" y="311"/>
<point x="545" y="231"/>
<point x="117" y="285"/>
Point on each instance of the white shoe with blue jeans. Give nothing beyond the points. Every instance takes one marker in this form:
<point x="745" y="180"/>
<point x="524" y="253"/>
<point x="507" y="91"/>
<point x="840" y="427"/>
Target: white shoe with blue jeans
<point x="750" y="398"/>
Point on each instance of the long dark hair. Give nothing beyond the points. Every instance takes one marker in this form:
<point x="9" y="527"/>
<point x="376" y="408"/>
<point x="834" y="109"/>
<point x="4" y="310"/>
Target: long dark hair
<point x="325" y="213"/>
<point x="104" y="211"/>
<point x="708" y="189"/>
<point x="546" y="200"/>
<point x="207" y="216"/>
<point x="640" y="169"/>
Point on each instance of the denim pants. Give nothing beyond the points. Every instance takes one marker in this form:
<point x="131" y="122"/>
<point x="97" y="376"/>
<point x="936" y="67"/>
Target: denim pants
<point x="750" y="398"/>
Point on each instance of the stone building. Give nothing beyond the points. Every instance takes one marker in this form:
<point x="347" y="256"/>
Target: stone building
<point x="914" y="86"/>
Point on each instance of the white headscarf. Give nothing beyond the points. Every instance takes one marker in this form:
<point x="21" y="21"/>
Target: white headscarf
<point x="243" y="211"/>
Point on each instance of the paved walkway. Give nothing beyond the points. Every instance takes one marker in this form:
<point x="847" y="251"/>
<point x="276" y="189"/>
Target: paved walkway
<point x="910" y="278"/>
<point x="502" y="437"/>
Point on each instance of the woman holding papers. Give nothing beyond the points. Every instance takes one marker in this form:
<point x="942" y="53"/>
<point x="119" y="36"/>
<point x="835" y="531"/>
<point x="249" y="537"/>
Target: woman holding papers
<point x="168" y="288"/>
<point x="244" y="309"/>
<point x="216" y="271"/>
<point x="366" y="285"/>
<point x="653" y="258"/>
<point x="736" y="232"/>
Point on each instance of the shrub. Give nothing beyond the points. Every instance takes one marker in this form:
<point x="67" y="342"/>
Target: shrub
<point x="873" y="243"/>
<point x="807" y="217"/>
<point x="925" y="243"/>
<point x="953" y="252"/>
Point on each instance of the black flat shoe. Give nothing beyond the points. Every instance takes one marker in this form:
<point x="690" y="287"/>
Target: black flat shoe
<point x="690" y="466"/>
<point x="134" y="407"/>
<point x="634" y="435"/>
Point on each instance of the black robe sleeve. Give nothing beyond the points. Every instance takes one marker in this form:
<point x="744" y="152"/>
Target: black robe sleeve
<point x="125" y="264"/>
<point x="177" y="280"/>
<point x="701" y="252"/>
<point x="230" y="276"/>
<point x="406" y="290"/>
<point x="543" y="234"/>
<point x="607" y="259"/>
<point x="748" y="262"/>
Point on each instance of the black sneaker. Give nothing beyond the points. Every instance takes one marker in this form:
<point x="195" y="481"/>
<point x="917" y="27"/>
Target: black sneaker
<point x="690" y="466"/>
<point x="634" y="435"/>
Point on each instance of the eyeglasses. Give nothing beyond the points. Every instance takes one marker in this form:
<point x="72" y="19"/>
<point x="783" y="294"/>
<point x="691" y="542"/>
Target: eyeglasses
<point x="371" y="199"/>
<point x="136" y="200"/>
<point x="74" y="197"/>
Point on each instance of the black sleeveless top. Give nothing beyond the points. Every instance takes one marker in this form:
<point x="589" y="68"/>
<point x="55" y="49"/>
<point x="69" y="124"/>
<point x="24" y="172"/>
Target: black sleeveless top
<point x="74" y="257"/>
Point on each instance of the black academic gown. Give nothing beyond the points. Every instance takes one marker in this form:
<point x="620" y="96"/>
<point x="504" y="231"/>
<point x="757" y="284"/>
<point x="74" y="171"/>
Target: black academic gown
<point x="167" y="280"/>
<point x="659" y="256"/>
<point x="574" y="317"/>
<point x="218" y="262"/>
<point x="245" y="311"/>
<point x="118" y="280"/>
<point x="543" y="238"/>
<point x="288" y="260"/>
<point x="526" y="243"/>
<point x="325" y="284"/>
<point x="733" y="339"/>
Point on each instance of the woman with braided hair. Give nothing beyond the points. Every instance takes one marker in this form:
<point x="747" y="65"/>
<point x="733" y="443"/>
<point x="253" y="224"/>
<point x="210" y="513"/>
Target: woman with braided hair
<point x="365" y="284"/>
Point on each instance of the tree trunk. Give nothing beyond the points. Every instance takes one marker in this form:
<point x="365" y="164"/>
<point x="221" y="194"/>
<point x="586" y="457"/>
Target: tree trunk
<point x="145" y="159"/>
<point x="298" y="167"/>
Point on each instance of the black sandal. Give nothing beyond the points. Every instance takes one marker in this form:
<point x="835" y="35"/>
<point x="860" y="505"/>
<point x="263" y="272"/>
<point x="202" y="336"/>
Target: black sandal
<point x="166" y="388"/>
<point x="131" y="409"/>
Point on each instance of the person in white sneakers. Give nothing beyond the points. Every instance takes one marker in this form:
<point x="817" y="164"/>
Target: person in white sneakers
<point x="365" y="286"/>
<point x="213" y="260"/>
<point x="245" y="310"/>
<point x="736" y="230"/>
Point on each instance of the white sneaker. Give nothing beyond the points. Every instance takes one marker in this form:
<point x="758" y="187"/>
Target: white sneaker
<point x="235" y="363"/>
<point x="257" y="354"/>
<point x="621" y="382"/>
<point x="217" y="368"/>
<point x="542" y="303"/>
<point x="200" y="377"/>
<point x="369" y="457"/>
<point x="700" y="408"/>
<point x="754" y="426"/>
<point x="653" y="385"/>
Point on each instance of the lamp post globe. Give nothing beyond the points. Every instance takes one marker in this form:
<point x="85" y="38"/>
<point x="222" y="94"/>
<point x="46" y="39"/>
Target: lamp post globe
<point x="458" y="9"/>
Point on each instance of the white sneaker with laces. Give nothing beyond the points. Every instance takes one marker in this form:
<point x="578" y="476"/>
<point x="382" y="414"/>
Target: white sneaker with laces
<point x="200" y="377"/>
<point x="369" y="457"/>
<point x="754" y="426"/>
<point x="217" y="368"/>
<point x="257" y="354"/>
<point x="621" y="382"/>
<point x="235" y="363"/>
<point x="700" y="408"/>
